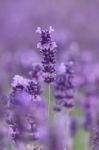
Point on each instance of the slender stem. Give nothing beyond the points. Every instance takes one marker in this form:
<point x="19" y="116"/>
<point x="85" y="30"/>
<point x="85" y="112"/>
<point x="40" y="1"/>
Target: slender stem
<point x="49" y="101"/>
<point x="68" y="140"/>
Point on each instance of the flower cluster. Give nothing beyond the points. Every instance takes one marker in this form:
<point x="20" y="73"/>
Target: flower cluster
<point x="36" y="73"/>
<point x="23" y="117"/>
<point x="64" y="88"/>
<point x="48" y="50"/>
<point x="32" y="87"/>
<point x="69" y="85"/>
<point x="24" y="101"/>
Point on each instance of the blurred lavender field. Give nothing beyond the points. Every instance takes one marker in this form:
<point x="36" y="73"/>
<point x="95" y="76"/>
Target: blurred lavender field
<point x="76" y="27"/>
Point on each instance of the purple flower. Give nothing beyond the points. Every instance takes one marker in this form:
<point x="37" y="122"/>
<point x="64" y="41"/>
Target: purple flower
<point x="30" y="86"/>
<point x="24" y="118"/>
<point x="19" y="82"/>
<point x="64" y="87"/>
<point x="60" y="86"/>
<point x="48" y="50"/>
<point x="34" y="88"/>
<point x="36" y="73"/>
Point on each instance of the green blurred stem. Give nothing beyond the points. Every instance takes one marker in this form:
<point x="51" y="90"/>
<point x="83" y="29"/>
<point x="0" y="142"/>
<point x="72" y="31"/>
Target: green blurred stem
<point x="49" y="101"/>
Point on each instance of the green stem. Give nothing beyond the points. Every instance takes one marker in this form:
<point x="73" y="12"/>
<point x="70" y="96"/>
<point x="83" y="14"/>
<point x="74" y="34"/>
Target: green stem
<point x="49" y="101"/>
<point x="67" y="131"/>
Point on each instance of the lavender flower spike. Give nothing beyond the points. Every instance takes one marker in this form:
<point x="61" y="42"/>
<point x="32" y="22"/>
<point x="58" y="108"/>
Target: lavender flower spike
<point x="69" y="103"/>
<point x="36" y="73"/>
<point x="64" y="87"/>
<point x="48" y="49"/>
<point x="19" y="82"/>
<point x="32" y="87"/>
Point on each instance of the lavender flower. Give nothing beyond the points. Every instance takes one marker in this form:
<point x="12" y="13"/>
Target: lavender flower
<point x="23" y="112"/>
<point x="59" y="91"/>
<point x="36" y="73"/>
<point x="64" y="88"/>
<point x="24" y="117"/>
<point x="34" y="88"/>
<point x="19" y="82"/>
<point x="30" y="86"/>
<point x="69" y="86"/>
<point x="48" y="50"/>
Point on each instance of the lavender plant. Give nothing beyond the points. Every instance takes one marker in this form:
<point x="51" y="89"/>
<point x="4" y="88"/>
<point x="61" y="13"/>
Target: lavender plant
<point x="27" y="110"/>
